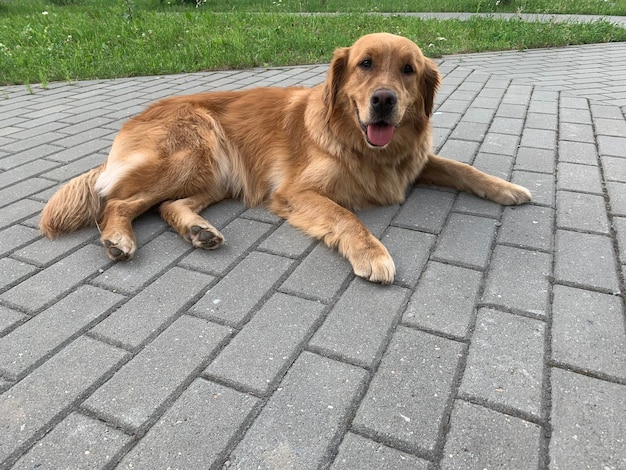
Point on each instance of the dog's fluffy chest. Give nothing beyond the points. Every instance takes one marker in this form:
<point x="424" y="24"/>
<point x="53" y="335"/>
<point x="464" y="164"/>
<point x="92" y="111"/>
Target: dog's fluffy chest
<point x="358" y="184"/>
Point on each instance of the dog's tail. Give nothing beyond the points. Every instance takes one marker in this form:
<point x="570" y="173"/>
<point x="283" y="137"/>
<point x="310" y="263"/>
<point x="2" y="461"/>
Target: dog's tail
<point x="74" y="206"/>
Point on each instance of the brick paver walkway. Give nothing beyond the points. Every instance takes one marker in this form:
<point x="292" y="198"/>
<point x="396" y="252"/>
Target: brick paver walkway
<point x="500" y="345"/>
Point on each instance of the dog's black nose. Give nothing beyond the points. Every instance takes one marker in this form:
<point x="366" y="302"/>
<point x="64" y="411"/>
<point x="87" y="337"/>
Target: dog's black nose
<point x="383" y="102"/>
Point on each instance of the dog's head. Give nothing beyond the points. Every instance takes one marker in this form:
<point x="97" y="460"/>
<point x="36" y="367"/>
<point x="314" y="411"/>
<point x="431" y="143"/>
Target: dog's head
<point x="383" y="82"/>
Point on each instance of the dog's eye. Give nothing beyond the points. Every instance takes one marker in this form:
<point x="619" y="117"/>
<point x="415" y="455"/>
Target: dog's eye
<point x="408" y="69"/>
<point x="366" y="64"/>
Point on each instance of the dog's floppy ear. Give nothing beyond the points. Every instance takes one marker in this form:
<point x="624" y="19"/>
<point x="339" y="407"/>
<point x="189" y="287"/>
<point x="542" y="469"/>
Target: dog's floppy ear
<point x="334" y="79"/>
<point x="430" y="84"/>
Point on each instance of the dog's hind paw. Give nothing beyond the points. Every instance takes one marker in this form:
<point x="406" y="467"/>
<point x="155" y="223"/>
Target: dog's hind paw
<point x="206" y="238"/>
<point x="121" y="249"/>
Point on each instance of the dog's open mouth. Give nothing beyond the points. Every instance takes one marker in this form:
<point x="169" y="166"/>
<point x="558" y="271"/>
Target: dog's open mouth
<point x="377" y="134"/>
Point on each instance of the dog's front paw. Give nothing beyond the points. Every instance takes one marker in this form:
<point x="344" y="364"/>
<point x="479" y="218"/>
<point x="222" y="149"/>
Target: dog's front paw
<point x="510" y="194"/>
<point x="375" y="264"/>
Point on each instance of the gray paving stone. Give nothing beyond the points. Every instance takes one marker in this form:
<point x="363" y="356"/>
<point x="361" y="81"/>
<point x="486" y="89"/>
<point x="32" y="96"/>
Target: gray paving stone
<point x="527" y="226"/>
<point x="611" y="127"/>
<point x="358" y="326"/>
<point x="612" y="146"/>
<point x="466" y="241"/>
<point x="27" y="409"/>
<point x="23" y="189"/>
<point x="81" y="150"/>
<point x="603" y="111"/>
<point x="493" y="164"/>
<point x="32" y="341"/>
<point x="585" y="259"/>
<point x="15" y="159"/>
<point x="578" y="152"/>
<point x="287" y="241"/>
<point x="18" y="211"/>
<point x="258" y="356"/>
<point x="539" y="138"/>
<point x="474" y="205"/>
<point x="13" y="271"/>
<point x="583" y="178"/>
<point x="617" y="197"/>
<point x="76" y="168"/>
<point x="511" y="111"/>
<point x="222" y="213"/>
<point x="130" y="276"/>
<point x="619" y="224"/>
<point x="505" y="362"/>
<point x="454" y="105"/>
<point x="579" y="116"/>
<point x="483" y="438"/>
<point x="195" y="431"/>
<point x="240" y="234"/>
<point x="15" y="236"/>
<point x="440" y="135"/>
<point x="459" y="150"/>
<point x="614" y="168"/>
<point x="588" y="331"/>
<point x="152" y="308"/>
<point x="320" y="275"/>
<point x="377" y="219"/>
<point x="410" y="250"/>
<point x="262" y="215"/>
<point x="588" y="424"/>
<point x="56" y="280"/>
<point x="480" y="111"/>
<point x="584" y="212"/>
<point x="43" y="252"/>
<point x="472" y="131"/>
<point x="10" y="318"/>
<point x="504" y="125"/>
<point x="444" y="300"/>
<point x="255" y="275"/>
<point x="131" y="397"/>
<point x="76" y="442"/>
<point x="540" y="185"/>
<point x="359" y="452"/>
<point x="302" y="421"/>
<point x="33" y="141"/>
<point x="568" y="101"/>
<point x="407" y="397"/>
<point x="547" y="104"/>
<point x="446" y="119"/>
<point x="519" y="280"/>
<point x="535" y="159"/>
<point x="425" y="210"/>
<point x="576" y="132"/>
<point x="500" y="144"/>
<point x="147" y="227"/>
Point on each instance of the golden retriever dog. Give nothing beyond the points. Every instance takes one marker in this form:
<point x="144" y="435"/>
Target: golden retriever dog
<point x="311" y="155"/>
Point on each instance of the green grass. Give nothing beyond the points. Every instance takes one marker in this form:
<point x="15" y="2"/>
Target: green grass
<point x="591" y="7"/>
<point x="41" y="42"/>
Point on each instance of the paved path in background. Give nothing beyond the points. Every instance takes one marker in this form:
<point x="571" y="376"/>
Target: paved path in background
<point x="500" y="345"/>
<point x="534" y="17"/>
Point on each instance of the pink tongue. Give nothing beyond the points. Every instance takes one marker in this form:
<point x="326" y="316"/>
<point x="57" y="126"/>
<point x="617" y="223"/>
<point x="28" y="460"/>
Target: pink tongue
<point x="380" y="134"/>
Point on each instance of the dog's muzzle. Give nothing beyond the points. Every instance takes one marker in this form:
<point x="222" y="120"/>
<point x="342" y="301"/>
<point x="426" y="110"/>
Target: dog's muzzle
<point x="380" y="128"/>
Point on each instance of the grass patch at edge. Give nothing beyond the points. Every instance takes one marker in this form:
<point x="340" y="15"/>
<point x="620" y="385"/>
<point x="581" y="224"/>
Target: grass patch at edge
<point x="106" y="44"/>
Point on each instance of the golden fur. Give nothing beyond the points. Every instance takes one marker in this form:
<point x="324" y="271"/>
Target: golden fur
<point x="359" y="139"/>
